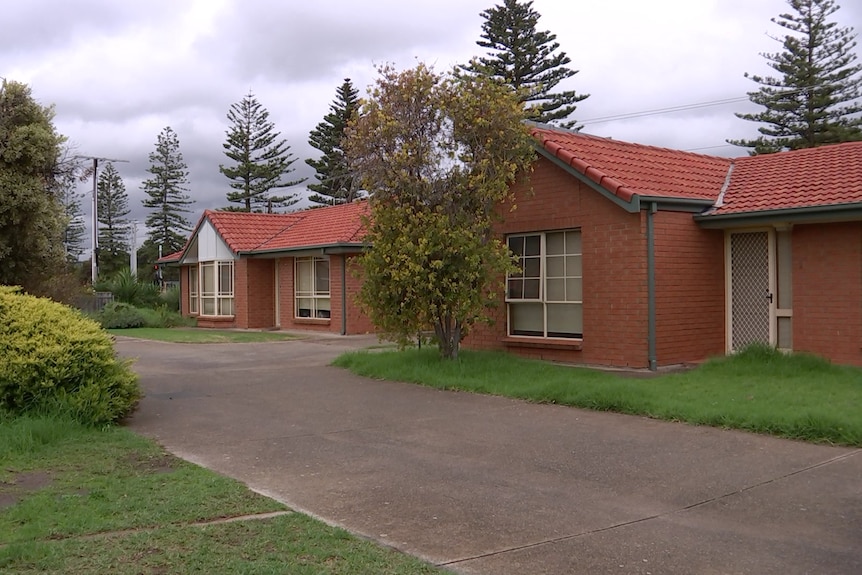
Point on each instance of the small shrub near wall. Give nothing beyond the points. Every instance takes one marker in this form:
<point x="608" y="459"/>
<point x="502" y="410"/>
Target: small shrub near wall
<point x="53" y="359"/>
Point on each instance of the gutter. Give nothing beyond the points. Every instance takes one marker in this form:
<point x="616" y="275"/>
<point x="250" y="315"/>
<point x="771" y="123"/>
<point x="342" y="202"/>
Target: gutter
<point x="813" y="214"/>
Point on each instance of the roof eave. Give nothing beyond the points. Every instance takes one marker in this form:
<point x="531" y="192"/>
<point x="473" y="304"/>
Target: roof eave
<point x="327" y="249"/>
<point x="811" y="214"/>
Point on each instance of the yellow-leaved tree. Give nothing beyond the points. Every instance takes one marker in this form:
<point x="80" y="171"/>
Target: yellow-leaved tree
<point x="438" y="154"/>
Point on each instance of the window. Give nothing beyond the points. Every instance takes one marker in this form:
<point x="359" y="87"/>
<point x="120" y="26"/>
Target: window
<point x="194" y="293"/>
<point x="216" y="288"/>
<point x="312" y="288"/>
<point x="545" y="298"/>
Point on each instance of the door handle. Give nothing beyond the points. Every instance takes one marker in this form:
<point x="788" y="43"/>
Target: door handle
<point x="769" y="296"/>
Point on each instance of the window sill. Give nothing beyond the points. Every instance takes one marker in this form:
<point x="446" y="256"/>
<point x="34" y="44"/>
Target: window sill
<point x="543" y="342"/>
<point x="311" y="321"/>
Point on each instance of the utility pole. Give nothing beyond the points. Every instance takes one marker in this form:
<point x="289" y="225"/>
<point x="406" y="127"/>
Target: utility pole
<point x="94" y="265"/>
<point x="133" y="256"/>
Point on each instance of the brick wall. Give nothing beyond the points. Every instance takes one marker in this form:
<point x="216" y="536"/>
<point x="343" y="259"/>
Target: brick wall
<point x="357" y="321"/>
<point x="260" y="293"/>
<point x="827" y="290"/>
<point x="614" y="268"/>
<point x="690" y="299"/>
<point x="184" y="290"/>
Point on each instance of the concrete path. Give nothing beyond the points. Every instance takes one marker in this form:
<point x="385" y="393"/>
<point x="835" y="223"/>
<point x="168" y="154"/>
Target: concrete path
<point x="489" y="485"/>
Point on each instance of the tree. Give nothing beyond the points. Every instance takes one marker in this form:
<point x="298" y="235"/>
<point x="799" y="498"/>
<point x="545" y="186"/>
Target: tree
<point x="525" y="59"/>
<point x="113" y="207"/>
<point x="337" y="185"/>
<point x="31" y="218"/>
<point x="167" y="195"/>
<point x="815" y="99"/>
<point x="438" y="154"/>
<point x="261" y="159"/>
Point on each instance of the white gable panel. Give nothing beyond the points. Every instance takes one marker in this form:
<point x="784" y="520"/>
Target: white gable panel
<point x="211" y="246"/>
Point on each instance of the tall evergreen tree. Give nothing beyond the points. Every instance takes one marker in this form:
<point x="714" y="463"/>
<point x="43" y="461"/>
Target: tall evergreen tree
<point x="167" y="193"/>
<point x="336" y="184"/>
<point x="74" y="236"/>
<point x="113" y="207"/>
<point x="261" y="159"/>
<point x="31" y="218"/>
<point x="527" y="60"/>
<point x="815" y="98"/>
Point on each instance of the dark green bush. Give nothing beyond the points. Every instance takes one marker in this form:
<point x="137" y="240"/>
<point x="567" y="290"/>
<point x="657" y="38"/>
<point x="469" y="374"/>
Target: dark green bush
<point x="170" y="298"/>
<point x="121" y="315"/>
<point x="54" y="360"/>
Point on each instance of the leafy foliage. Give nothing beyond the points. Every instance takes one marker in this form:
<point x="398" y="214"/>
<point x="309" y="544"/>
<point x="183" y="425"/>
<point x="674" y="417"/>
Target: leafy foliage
<point x="32" y="220"/>
<point x="815" y="99"/>
<point x="113" y="207"/>
<point x="121" y="315"/>
<point x="56" y="360"/>
<point x="438" y="153"/>
<point x="167" y="193"/>
<point x="336" y="183"/>
<point x="525" y="59"/>
<point x="261" y="159"/>
<point x="129" y="289"/>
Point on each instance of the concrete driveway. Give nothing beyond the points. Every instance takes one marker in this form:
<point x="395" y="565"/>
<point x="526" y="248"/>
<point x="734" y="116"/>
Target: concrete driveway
<point x="489" y="485"/>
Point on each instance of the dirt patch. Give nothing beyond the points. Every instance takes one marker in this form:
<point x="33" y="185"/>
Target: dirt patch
<point x="161" y="463"/>
<point x="12" y="491"/>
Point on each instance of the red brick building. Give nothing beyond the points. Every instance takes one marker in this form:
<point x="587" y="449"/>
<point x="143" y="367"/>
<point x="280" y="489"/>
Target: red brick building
<point x="632" y="255"/>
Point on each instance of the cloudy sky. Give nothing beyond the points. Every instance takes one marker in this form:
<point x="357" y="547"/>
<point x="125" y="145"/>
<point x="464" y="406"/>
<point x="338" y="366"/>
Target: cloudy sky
<point x="119" y="71"/>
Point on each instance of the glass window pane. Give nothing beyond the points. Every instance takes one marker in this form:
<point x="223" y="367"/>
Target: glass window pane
<point x="225" y="306"/>
<point x="556" y="266"/>
<point x="785" y="332"/>
<point x="565" y="320"/>
<point x="526" y="319"/>
<point x="573" y="242"/>
<point x="193" y="280"/>
<point x="556" y="290"/>
<point x="304" y="277"/>
<point x="516" y="244"/>
<point x="531" y="289"/>
<point x="321" y="276"/>
<point x="533" y="245"/>
<point x="555" y="243"/>
<point x="225" y="285"/>
<point x="574" y="289"/>
<point x="208" y="279"/>
<point x="573" y="266"/>
<point x="208" y="306"/>
<point x="532" y="267"/>
<point x="304" y="307"/>
<point x="516" y="289"/>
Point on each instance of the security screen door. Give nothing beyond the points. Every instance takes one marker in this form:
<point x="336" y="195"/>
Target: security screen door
<point x="751" y="297"/>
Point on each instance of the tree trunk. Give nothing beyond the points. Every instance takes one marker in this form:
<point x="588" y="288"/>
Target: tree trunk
<point x="448" y="332"/>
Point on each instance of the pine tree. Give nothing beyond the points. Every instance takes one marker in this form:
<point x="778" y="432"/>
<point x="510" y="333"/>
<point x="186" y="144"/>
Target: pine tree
<point x="815" y="99"/>
<point x="525" y="59"/>
<point x="337" y="185"/>
<point x="167" y="193"/>
<point x="261" y="159"/>
<point x="75" y="233"/>
<point x="113" y="207"/>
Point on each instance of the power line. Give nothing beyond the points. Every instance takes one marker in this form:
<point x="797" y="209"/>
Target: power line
<point x="684" y="107"/>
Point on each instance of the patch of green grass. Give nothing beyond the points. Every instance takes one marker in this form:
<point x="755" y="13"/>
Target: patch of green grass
<point x="194" y="335"/>
<point x="80" y="500"/>
<point x="761" y="390"/>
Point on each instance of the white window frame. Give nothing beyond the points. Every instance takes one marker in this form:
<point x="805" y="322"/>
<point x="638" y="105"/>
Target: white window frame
<point x="194" y="289"/>
<point x="527" y="294"/>
<point x="218" y="301"/>
<point x="313" y="303"/>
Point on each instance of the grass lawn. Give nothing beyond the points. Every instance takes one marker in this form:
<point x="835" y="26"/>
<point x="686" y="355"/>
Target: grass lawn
<point x="79" y="500"/>
<point x="195" y="335"/>
<point x="760" y="390"/>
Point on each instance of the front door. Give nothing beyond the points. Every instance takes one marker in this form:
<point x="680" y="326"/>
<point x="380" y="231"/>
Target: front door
<point x="751" y="301"/>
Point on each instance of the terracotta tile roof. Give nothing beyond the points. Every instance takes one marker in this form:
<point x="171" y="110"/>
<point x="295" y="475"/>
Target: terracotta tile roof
<point x="813" y="177"/>
<point x="625" y="169"/>
<point x="331" y="225"/>
<point x="245" y="232"/>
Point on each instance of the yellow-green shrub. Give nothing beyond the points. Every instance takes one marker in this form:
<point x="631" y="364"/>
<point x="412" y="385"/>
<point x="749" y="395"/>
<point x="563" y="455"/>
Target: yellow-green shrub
<point x="52" y="358"/>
